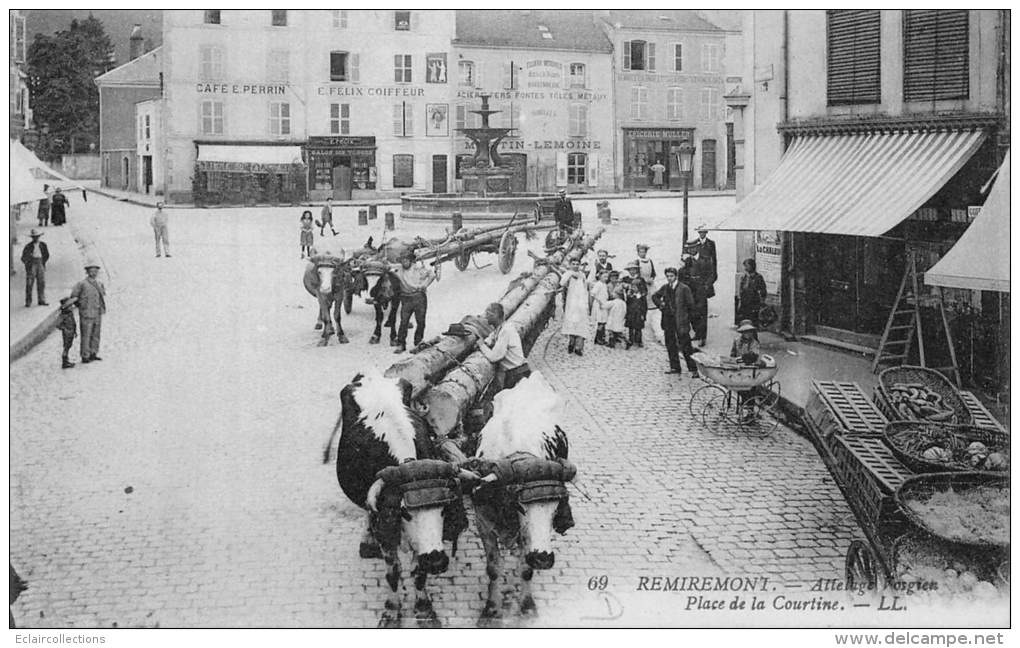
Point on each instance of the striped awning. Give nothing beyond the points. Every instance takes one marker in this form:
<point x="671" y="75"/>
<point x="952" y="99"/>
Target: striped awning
<point x="859" y="185"/>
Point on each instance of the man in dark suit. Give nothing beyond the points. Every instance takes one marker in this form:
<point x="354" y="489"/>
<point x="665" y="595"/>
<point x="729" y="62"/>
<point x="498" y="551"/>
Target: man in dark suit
<point x="676" y="303"/>
<point x="564" y="213"/>
<point x="707" y="256"/>
<point x="34" y="256"/>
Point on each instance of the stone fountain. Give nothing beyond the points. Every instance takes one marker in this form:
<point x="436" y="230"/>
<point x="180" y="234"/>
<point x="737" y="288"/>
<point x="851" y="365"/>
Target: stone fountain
<point x="487" y="195"/>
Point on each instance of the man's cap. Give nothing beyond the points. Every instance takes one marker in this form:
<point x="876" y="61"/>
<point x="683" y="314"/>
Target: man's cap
<point x="670" y="270"/>
<point x="633" y="265"/>
<point x="35" y="233"/>
<point x="701" y="228"/>
<point x="642" y="246"/>
<point x="562" y="192"/>
<point x="92" y="264"/>
<point x="746" y="325"/>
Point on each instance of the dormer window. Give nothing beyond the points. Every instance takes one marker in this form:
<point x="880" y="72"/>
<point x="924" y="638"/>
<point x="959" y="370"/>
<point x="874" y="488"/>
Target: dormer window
<point x="279" y="17"/>
<point x="402" y="20"/>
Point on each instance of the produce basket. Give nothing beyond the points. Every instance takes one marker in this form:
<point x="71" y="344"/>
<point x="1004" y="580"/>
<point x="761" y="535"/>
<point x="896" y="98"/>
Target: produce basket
<point x="938" y="447"/>
<point x="917" y="394"/>
<point x="964" y="508"/>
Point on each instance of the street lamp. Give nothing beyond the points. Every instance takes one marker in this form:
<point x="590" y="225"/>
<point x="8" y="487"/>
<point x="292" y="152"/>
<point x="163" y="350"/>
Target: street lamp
<point x="685" y="160"/>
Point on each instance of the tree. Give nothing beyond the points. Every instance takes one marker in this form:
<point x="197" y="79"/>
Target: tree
<point x="62" y="69"/>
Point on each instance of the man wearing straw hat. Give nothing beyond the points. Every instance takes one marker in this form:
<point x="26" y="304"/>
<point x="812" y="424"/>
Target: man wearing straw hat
<point x="34" y="256"/>
<point x="91" y="296"/>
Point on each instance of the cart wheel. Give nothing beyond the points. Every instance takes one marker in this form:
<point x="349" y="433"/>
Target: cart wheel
<point x="754" y="416"/>
<point x="462" y="260"/>
<point x="713" y="405"/>
<point x="701" y="395"/>
<point x="770" y="393"/>
<point x="507" y="251"/>
<point x="348" y="303"/>
<point x="864" y="575"/>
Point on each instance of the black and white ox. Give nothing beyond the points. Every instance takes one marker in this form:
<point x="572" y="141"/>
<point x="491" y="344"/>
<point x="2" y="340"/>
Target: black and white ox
<point x="387" y="464"/>
<point x="328" y="278"/>
<point x="384" y="295"/>
<point x="522" y="498"/>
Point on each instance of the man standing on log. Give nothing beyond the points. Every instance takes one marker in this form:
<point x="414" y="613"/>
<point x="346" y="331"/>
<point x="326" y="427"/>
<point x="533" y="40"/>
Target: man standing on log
<point x="564" y="214"/>
<point x="414" y="280"/>
<point x="506" y="349"/>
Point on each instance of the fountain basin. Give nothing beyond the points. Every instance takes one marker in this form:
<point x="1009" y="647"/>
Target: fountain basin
<point x="475" y="207"/>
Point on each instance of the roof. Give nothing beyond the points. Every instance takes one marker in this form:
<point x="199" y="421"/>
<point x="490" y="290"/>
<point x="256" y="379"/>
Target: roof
<point x="567" y="30"/>
<point x="143" y="70"/>
<point x="858" y="185"/>
<point x="980" y="259"/>
<point x="660" y="19"/>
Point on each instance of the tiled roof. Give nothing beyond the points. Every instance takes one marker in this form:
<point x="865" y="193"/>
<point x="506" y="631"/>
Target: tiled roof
<point x="663" y="19"/>
<point x="552" y="30"/>
<point x="143" y="70"/>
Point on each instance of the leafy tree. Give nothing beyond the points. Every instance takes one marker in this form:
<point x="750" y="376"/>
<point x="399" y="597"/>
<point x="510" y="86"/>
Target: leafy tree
<point x="61" y="70"/>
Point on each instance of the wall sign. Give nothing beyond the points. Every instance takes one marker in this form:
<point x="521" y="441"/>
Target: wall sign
<point x="374" y="91"/>
<point x="768" y="254"/>
<point x="437" y="123"/>
<point x="435" y="68"/>
<point x="241" y="88"/>
<point x="320" y="141"/>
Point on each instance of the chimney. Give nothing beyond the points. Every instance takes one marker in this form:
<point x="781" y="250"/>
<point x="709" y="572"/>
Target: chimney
<point x="137" y="43"/>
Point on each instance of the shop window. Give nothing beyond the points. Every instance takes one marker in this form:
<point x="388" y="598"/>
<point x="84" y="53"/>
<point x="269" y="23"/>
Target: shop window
<point x="402" y="20"/>
<point x="578" y="120"/>
<point x="402" y="68"/>
<point x="212" y="17"/>
<point x="674" y="104"/>
<point x="710" y="103"/>
<point x="279" y="17"/>
<point x="279" y="118"/>
<point x="936" y="62"/>
<point x="853" y="62"/>
<point x="339" y="19"/>
<point x="638" y="102"/>
<point x="212" y="118"/>
<point x="403" y="171"/>
<point x="577" y="168"/>
<point x="403" y="119"/>
<point x="638" y="55"/>
<point x="211" y="58"/>
<point x="278" y="66"/>
<point x="710" y="57"/>
<point x="466" y="70"/>
<point x="678" y="57"/>
<point x="339" y="119"/>
<point x="577" y="75"/>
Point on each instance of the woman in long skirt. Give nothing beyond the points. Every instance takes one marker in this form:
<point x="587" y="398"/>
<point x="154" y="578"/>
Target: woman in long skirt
<point x="575" y="307"/>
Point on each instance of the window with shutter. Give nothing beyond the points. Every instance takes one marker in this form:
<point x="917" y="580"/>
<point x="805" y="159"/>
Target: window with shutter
<point x="577" y="168"/>
<point x="338" y="68"/>
<point x="626" y="55"/>
<point x="651" y="57"/>
<point x="674" y="104"/>
<point x="353" y="68"/>
<point x="854" y="51"/>
<point x="936" y="61"/>
<point x="678" y="57"/>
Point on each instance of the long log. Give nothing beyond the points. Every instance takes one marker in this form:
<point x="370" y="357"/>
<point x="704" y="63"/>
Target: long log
<point x="448" y="400"/>
<point x="429" y="365"/>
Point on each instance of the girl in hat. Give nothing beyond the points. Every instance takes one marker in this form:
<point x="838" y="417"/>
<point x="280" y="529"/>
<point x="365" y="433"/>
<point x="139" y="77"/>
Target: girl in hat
<point x="746" y="347"/>
<point x="307" y="233"/>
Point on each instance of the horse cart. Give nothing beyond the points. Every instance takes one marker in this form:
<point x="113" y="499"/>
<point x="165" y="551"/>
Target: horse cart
<point x="919" y="532"/>
<point x="741" y="394"/>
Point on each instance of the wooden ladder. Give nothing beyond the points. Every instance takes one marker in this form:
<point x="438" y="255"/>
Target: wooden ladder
<point x="904" y="325"/>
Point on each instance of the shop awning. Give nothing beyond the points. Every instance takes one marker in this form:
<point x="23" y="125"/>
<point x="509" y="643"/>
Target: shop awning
<point x="860" y="185"/>
<point x="39" y="170"/>
<point x="980" y="259"/>
<point x="244" y="158"/>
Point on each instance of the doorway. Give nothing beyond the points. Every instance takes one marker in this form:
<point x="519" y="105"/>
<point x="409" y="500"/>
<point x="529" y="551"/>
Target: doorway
<point x="439" y="174"/>
<point x="126" y="174"/>
<point x="708" y="180"/>
<point x="343" y="184"/>
<point x="146" y="173"/>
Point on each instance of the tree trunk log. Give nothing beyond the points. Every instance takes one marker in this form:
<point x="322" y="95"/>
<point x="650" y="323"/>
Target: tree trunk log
<point x="449" y="400"/>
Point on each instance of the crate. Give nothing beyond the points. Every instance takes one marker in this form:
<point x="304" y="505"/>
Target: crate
<point x="844" y="406"/>
<point x="982" y="417"/>
<point x="868" y="473"/>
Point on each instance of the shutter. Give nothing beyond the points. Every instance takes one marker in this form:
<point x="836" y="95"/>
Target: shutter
<point x="936" y="55"/>
<point x="584" y="120"/>
<point x="508" y="76"/>
<point x="398" y="119"/>
<point x="409" y="118"/>
<point x="459" y="113"/>
<point x="561" y="169"/>
<point x="478" y="74"/>
<point x="593" y="170"/>
<point x="854" y="51"/>
<point x="651" y="57"/>
<point x="626" y="55"/>
<point x="354" y="74"/>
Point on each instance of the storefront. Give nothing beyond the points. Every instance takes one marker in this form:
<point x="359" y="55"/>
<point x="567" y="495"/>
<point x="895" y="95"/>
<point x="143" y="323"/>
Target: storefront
<point x="248" y="172"/>
<point x="338" y="165"/>
<point x="643" y="147"/>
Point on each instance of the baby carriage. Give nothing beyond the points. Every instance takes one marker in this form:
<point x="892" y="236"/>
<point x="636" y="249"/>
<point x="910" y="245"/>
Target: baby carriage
<point x="746" y="395"/>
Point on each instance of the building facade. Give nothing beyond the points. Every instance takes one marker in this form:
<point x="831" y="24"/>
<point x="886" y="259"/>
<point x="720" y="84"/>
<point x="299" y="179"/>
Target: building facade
<point x="20" y="111"/>
<point x="549" y="73"/>
<point x="669" y="77"/>
<point x="891" y="136"/>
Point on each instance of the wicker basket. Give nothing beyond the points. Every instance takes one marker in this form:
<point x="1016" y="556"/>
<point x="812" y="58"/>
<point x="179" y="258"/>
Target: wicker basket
<point x="899" y="436"/>
<point x="929" y="378"/>
<point x="922" y="487"/>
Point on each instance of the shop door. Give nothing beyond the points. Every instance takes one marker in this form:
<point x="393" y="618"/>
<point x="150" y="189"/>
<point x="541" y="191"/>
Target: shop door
<point x="146" y="172"/>
<point x="708" y="164"/>
<point x="342" y="180"/>
<point x="439" y="184"/>
<point x="838" y="261"/>
<point x="519" y="163"/>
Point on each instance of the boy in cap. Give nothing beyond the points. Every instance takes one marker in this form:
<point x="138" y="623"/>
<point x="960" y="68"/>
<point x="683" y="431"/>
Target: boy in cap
<point x="68" y="328"/>
<point x="34" y="256"/>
